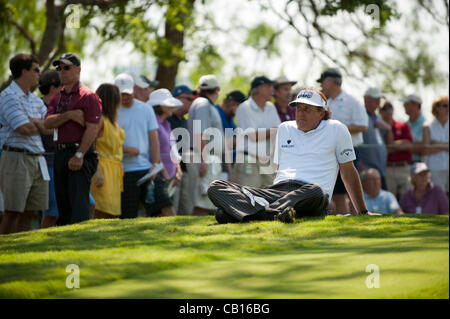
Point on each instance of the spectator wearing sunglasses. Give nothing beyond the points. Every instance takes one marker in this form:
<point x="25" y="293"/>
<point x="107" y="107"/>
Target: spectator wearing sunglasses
<point x="23" y="171"/>
<point x="435" y="138"/>
<point x="74" y="113"/>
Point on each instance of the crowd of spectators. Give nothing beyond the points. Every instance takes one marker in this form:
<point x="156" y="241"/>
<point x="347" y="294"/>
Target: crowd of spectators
<point x="133" y="149"/>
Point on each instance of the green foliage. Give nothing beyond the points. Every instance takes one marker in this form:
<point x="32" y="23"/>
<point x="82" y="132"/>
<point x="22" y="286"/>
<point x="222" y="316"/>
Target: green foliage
<point x="263" y="37"/>
<point x="209" y="61"/>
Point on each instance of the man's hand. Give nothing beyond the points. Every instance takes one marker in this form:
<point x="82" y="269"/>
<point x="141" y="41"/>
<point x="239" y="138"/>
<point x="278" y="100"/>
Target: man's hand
<point x="77" y="116"/>
<point x="203" y="169"/>
<point x="178" y="176"/>
<point x="75" y="164"/>
<point x="99" y="178"/>
<point x="373" y="214"/>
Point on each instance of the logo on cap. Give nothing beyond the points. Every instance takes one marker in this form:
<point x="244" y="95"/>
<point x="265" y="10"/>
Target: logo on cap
<point x="307" y="94"/>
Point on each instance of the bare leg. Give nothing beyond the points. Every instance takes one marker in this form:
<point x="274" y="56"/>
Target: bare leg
<point x="24" y="221"/>
<point x="167" y="211"/>
<point x="48" y="221"/>
<point x="9" y="221"/>
<point x="202" y="212"/>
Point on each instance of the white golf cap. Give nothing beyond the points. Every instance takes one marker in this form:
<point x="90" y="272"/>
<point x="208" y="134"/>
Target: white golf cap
<point x="374" y="93"/>
<point x="310" y="98"/>
<point x="419" y="167"/>
<point x="208" y="82"/>
<point x="412" y="98"/>
<point x="125" y="83"/>
<point x="163" y="97"/>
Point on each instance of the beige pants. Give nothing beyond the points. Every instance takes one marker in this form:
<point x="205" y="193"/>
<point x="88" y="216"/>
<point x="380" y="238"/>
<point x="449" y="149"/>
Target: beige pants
<point x="397" y="179"/>
<point x="21" y="183"/>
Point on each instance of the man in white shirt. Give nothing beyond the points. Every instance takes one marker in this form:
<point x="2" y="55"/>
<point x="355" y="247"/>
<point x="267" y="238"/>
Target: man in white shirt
<point x="346" y="109"/>
<point x="257" y="119"/>
<point x="309" y="152"/>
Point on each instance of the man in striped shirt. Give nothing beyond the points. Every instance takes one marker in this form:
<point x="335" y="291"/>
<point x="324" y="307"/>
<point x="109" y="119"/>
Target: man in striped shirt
<point x="23" y="172"/>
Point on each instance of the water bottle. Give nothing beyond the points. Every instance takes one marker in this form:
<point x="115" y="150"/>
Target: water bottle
<point x="150" y="198"/>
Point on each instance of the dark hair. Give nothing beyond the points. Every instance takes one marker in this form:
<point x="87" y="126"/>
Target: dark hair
<point x="386" y="106"/>
<point x="48" y="79"/>
<point x="21" y="61"/>
<point x="110" y="96"/>
<point x="205" y="92"/>
<point x="158" y="109"/>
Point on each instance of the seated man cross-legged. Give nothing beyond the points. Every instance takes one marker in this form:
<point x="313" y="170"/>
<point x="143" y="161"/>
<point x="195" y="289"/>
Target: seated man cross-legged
<point x="309" y="153"/>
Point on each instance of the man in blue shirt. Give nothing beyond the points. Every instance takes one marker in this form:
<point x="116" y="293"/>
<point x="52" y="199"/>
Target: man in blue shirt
<point x="227" y="112"/>
<point x="412" y="104"/>
<point x="378" y="200"/>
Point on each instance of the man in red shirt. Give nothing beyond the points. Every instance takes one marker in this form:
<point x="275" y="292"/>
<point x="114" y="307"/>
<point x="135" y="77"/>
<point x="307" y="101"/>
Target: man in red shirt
<point x="399" y="143"/>
<point x="74" y="113"/>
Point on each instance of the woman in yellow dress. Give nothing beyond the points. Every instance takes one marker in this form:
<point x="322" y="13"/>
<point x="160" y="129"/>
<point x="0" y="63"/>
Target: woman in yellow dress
<point x="107" y="183"/>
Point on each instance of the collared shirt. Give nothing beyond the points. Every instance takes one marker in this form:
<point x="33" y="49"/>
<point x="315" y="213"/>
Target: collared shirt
<point x="16" y="108"/>
<point x="314" y="156"/>
<point x="438" y="133"/>
<point x="250" y="116"/>
<point x="384" y="203"/>
<point x="80" y="97"/>
<point x="401" y="131"/>
<point x="434" y="201"/>
<point x="417" y="130"/>
<point x="373" y="153"/>
<point x="288" y="116"/>
<point x="346" y="109"/>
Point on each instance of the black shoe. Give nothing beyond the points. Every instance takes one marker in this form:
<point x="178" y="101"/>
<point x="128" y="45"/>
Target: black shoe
<point x="287" y="216"/>
<point x="223" y="217"/>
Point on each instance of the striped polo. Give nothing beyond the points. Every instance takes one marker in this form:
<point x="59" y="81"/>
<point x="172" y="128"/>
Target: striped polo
<point x="16" y="108"/>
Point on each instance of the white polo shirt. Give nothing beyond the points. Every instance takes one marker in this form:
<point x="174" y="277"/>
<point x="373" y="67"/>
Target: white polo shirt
<point x="314" y="156"/>
<point x="250" y="115"/>
<point x="346" y="109"/>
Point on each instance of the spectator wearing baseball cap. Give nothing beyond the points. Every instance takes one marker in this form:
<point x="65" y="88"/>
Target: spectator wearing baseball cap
<point x="138" y="120"/>
<point x="203" y="112"/>
<point x="182" y="199"/>
<point x="164" y="104"/>
<point x="49" y="85"/>
<point x="424" y="197"/>
<point x="256" y="115"/>
<point x="227" y="111"/>
<point x="346" y="109"/>
<point x="309" y="152"/>
<point x="75" y="114"/>
<point x="373" y="153"/>
<point x="283" y="95"/>
<point x="412" y="104"/>
<point x="143" y="87"/>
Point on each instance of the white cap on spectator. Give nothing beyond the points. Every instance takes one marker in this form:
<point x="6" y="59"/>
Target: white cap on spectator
<point x="163" y="97"/>
<point x="208" y="82"/>
<point x="412" y="98"/>
<point x="419" y="167"/>
<point x="310" y="98"/>
<point x="125" y="83"/>
<point x="374" y="93"/>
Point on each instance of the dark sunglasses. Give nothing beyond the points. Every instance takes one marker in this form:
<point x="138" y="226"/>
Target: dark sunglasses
<point x="442" y="105"/>
<point x="190" y="99"/>
<point x="65" y="68"/>
<point x="37" y="70"/>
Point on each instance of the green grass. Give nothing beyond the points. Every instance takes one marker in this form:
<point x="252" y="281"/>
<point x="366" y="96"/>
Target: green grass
<point x="194" y="257"/>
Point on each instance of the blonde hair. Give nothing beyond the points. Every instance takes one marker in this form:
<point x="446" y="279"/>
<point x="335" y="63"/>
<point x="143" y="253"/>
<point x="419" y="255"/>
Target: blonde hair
<point x="438" y="101"/>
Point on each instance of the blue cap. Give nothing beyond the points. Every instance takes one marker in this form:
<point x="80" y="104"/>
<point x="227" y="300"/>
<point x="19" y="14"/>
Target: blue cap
<point x="180" y="89"/>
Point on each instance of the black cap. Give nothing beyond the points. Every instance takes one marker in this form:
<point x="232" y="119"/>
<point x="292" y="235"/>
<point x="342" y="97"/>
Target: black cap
<point x="49" y="77"/>
<point x="330" y="73"/>
<point x="236" y="96"/>
<point x="68" y="58"/>
<point x="260" y="80"/>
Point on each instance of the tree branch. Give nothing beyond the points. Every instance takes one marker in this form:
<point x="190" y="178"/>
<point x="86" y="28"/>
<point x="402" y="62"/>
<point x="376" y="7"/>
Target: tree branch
<point x="26" y="35"/>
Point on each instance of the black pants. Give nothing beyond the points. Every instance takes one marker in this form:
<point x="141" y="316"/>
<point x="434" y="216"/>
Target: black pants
<point x="132" y="194"/>
<point x="306" y="199"/>
<point x="72" y="187"/>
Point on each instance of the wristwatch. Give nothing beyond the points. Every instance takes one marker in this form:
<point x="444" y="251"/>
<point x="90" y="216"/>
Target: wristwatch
<point x="79" y="155"/>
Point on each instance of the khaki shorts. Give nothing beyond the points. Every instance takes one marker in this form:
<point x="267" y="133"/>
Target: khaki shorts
<point x="21" y="183"/>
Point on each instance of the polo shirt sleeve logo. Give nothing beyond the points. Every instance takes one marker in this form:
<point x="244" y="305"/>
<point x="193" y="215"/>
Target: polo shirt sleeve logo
<point x="288" y="145"/>
<point x="347" y="152"/>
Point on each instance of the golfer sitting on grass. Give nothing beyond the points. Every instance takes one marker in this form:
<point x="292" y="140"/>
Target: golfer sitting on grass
<point x="309" y="152"/>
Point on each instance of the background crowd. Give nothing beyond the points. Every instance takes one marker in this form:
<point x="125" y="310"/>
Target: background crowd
<point x="75" y="154"/>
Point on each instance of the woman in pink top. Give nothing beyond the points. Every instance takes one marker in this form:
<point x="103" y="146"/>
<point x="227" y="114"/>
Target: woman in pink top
<point x="164" y="104"/>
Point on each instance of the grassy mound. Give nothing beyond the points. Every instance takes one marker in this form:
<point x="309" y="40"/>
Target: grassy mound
<point x="194" y="257"/>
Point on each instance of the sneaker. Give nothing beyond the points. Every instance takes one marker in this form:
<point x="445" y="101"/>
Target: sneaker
<point x="223" y="217"/>
<point x="287" y="216"/>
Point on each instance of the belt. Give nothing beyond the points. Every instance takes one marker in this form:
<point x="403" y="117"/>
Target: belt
<point x="402" y="163"/>
<point x="20" y="150"/>
<point x="67" y="146"/>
